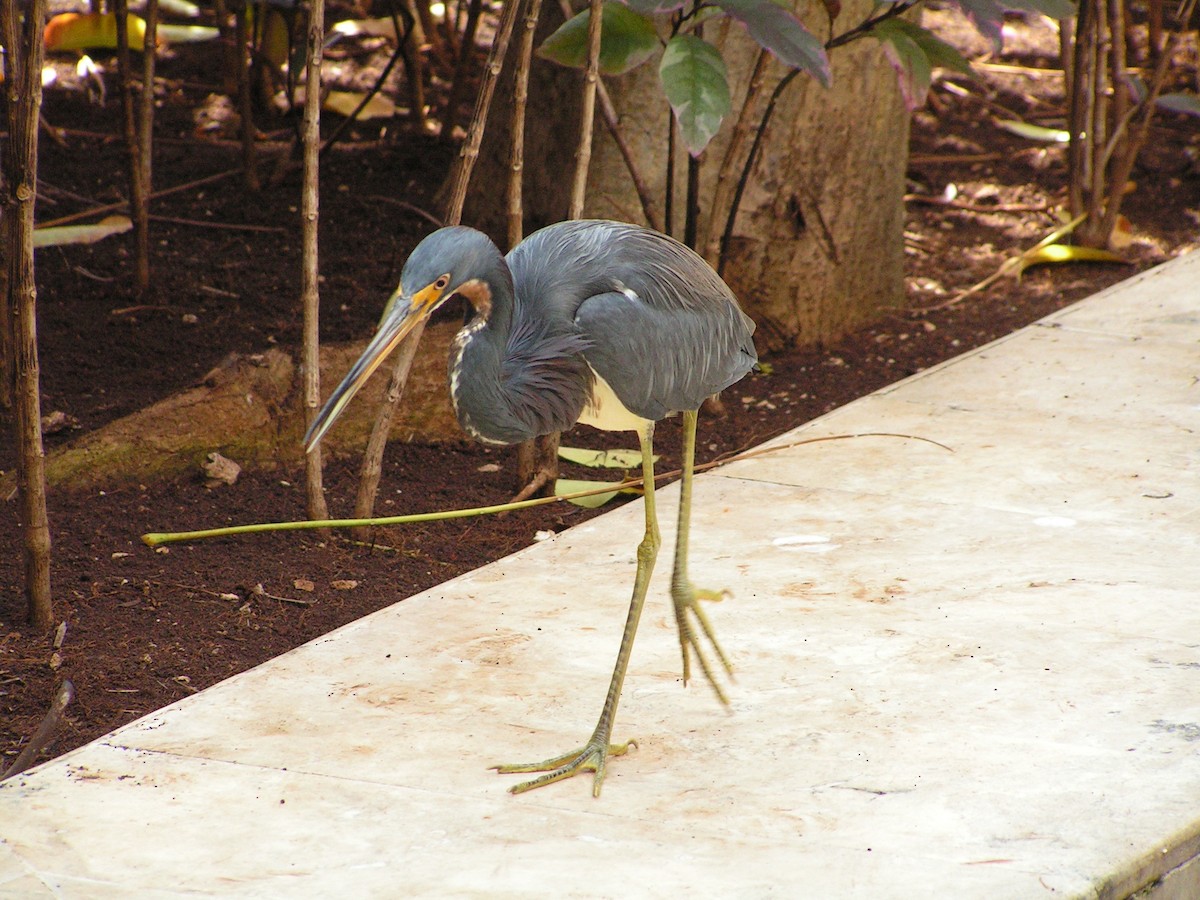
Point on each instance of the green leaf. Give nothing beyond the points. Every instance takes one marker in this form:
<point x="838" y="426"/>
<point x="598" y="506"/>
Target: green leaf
<point x="603" y="459"/>
<point x="651" y="7"/>
<point x="936" y="50"/>
<point x="1180" y="103"/>
<point x="778" y="30"/>
<point x="987" y="16"/>
<point x="910" y="62"/>
<point x="344" y="103"/>
<point x="627" y="39"/>
<point x="693" y="78"/>
<point x="1035" y="132"/>
<point x="1055" y="9"/>
<point x="572" y="486"/>
<point x="62" y="235"/>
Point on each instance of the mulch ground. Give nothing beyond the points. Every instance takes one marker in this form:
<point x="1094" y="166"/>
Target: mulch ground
<point x="146" y="628"/>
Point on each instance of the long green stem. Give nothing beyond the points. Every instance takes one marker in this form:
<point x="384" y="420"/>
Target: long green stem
<point x="157" y="538"/>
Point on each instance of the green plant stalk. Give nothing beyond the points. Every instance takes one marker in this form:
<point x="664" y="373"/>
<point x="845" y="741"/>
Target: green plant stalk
<point x="158" y="538"/>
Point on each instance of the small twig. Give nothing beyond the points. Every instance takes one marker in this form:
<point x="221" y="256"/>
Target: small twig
<point x="218" y="292"/>
<point x="539" y="481"/>
<point x="45" y="731"/>
<point x="411" y="207"/>
<point x="609" y="113"/>
<point x="975" y="207"/>
<point x="259" y="591"/>
<point x="122" y="204"/>
<point x="1005" y="267"/>
<point x="223" y="226"/>
<point x="937" y="159"/>
<point x="1015" y="69"/>
<point x="141" y="308"/>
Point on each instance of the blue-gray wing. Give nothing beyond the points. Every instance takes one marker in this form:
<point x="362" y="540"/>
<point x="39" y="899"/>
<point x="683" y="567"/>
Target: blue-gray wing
<point x="659" y="361"/>
<point x="656" y="321"/>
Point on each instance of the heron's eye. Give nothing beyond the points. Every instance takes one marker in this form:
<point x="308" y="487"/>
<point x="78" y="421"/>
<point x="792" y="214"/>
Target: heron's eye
<point x="441" y="283"/>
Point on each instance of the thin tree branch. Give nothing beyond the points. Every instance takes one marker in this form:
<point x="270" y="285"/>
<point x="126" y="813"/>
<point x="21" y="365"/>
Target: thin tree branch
<point x="245" y="99"/>
<point x="465" y="50"/>
<point x="373" y="457"/>
<point x="22" y="37"/>
<point x="516" y="160"/>
<point x="587" y="115"/>
<point x="401" y="43"/>
<point x="309" y="220"/>
<point x="609" y="113"/>
<point x="46" y="728"/>
<point x="143" y="175"/>
<point x="724" y="190"/>
<point x="1124" y="165"/>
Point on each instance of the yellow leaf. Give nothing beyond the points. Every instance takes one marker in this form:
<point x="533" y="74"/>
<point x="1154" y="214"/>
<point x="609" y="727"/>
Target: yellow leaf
<point x="81" y="234"/>
<point x="384" y="27"/>
<point x="81" y="31"/>
<point x="345" y="102"/>
<point x="187" y="34"/>
<point x="603" y="459"/>
<point x="1062" y="253"/>
<point x="1035" y="132"/>
<point x="572" y="486"/>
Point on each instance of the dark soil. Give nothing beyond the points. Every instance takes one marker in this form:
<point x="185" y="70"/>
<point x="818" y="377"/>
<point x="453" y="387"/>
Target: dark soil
<point x="145" y="628"/>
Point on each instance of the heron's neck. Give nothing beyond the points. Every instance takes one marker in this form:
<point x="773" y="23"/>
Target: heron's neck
<point x="477" y="360"/>
<point x="490" y="305"/>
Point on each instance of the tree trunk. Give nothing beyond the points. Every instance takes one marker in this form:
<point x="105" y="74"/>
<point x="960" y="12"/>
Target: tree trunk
<point x="818" y="248"/>
<point x="250" y="409"/>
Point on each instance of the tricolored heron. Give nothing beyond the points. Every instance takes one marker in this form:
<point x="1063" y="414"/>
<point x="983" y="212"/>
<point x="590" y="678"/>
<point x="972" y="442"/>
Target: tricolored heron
<point x="600" y="322"/>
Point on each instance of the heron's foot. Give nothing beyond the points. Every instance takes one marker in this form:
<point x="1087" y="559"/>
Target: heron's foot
<point x="592" y="757"/>
<point x="694" y="630"/>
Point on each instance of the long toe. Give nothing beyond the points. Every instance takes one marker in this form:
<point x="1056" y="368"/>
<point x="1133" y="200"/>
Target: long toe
<point x="592" y="757"/>
<point x="695" y="631"/>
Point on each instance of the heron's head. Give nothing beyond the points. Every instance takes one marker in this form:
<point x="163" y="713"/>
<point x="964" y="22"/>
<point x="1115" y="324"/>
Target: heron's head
<point x="455" y="260"/>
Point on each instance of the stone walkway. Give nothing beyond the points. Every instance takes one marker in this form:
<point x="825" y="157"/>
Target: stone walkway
<point x="968" y="670"/>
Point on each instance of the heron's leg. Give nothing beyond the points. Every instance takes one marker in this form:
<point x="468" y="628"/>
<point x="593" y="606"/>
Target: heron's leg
<point x="689" y="615"/>
<point x="594" y="754"/>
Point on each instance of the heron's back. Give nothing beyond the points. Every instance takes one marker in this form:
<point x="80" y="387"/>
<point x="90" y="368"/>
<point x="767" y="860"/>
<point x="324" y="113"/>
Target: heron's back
<point x="661" y="328"/>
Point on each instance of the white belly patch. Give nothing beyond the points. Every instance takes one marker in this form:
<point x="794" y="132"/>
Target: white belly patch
<point x="606" y="412"/>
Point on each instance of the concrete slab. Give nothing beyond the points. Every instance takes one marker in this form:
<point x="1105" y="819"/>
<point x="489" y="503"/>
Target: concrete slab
<point x="966" y="672"/>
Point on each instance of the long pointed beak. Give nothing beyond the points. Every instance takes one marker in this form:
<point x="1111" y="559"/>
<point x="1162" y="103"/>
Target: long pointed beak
<point x="400" y="317"/>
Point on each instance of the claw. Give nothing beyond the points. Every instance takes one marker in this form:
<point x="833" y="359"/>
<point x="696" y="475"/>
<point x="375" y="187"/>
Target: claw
<point x="591" y="758"/>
